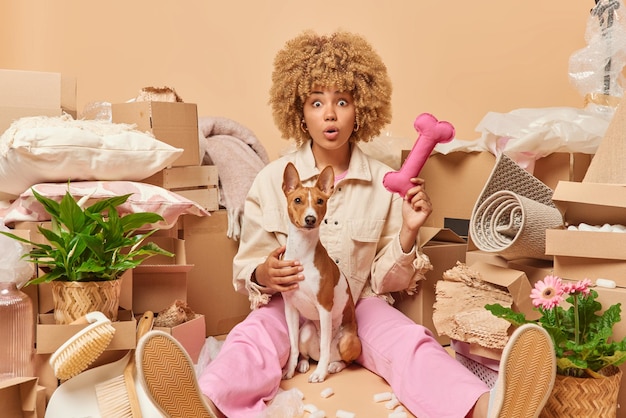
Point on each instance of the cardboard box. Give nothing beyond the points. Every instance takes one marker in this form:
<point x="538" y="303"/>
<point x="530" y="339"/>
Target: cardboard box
<point x="210" y="283"/>
<point x="51" y="336"/>
<point x="182" y="178"/>
<point x="174" y="123"/>
<point x="190" y="334"/>
<point x="513" y="281"/>
<point x="157" y="287"/>
<point x="34" y="93"/>
<point x="455" y="180"/>
<point x="161" y="280"/>
<point x="19" y="398"/>
<point x="197" y="183"/>
<point x="475" y="256"/>
<point x="589" y="254"/>
<point x="444" y="248"/>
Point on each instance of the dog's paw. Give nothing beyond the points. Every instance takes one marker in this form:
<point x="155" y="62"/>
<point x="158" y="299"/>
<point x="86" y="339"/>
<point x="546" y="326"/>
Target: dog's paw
<point x="317" y="377"/>
<point x="288" y="372"/>
<point x="303" y="366"/>
<point x="336" y="366"/>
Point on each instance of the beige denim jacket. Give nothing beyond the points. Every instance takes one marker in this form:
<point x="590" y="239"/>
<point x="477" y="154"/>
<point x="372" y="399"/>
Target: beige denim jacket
<point x="360" y="232"/>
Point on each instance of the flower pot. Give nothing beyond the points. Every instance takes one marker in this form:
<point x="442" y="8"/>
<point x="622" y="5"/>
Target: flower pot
<point x="75" y="299"/>
<point x="584" y="397"/>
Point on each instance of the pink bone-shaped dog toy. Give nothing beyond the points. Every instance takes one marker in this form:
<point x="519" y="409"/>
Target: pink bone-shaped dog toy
<point x="431" y="132"/>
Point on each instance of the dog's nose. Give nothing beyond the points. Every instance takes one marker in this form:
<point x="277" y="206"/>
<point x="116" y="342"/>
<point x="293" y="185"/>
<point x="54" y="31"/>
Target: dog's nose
<point x="310" y="220"/>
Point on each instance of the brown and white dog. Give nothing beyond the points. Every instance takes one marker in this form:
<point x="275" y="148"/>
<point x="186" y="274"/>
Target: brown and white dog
<point x="323" y="298"/>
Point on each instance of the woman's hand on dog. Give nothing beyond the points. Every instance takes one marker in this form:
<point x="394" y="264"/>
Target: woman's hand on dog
<point x="278" y="274"/>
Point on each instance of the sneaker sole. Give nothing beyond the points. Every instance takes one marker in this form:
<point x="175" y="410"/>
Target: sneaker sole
<point x="168" y="377"/>
<point x="527" y="378"/>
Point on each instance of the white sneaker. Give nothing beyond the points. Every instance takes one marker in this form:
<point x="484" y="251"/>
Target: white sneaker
<point x="526" y="375"/>
<point x="167" y="374"/>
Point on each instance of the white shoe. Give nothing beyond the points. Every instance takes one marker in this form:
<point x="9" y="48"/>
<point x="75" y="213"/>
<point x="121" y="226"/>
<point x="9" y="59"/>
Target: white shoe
<point x="167" y="374"/>
<point x="526" y="375"/>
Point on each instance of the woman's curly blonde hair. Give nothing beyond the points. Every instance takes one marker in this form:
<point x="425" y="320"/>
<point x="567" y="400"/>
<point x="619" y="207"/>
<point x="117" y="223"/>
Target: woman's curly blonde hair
<point x="343" y="60"/>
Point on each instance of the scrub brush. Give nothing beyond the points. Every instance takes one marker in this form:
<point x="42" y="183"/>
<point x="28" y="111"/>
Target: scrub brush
<point x="117" y="397"/>
<point x="84" y="347"/>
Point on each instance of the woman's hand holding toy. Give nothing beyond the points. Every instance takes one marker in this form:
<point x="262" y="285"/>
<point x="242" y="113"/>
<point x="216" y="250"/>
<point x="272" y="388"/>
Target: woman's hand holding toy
<point x="431" y="132"/>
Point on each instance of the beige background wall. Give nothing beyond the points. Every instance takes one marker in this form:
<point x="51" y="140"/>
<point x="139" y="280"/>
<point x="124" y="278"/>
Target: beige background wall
<point x="456" y="59"/>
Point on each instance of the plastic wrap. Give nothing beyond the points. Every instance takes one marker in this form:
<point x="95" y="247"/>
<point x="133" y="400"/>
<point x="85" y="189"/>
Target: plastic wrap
<point x="596" y="70"/>
<point x="13" y="268"/>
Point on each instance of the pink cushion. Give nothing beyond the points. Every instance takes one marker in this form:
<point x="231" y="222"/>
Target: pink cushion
<point x="145" y="198"/>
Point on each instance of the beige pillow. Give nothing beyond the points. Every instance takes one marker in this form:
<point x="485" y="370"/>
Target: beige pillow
<point x="44" y="149"/>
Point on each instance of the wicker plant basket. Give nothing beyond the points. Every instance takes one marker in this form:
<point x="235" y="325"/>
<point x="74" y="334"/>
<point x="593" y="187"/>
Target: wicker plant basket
<point x="584" y="397"/>
<point x="75" y="299"/>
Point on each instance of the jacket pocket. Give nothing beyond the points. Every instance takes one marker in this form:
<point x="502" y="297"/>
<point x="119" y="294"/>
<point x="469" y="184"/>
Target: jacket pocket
<point x="364" y="237"/>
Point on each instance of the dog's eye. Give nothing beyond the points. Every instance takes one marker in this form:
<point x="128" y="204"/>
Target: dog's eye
<point x="320" y="201"/>
<point x="297" y="200"/>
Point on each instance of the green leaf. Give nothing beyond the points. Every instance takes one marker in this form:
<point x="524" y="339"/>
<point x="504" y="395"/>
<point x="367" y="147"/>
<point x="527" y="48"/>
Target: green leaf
<point x="515" y="318"/>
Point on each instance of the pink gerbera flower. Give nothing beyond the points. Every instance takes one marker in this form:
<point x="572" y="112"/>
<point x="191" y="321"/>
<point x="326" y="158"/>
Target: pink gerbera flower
<point x="548" y="292"/>
<point x="581" y="286"/>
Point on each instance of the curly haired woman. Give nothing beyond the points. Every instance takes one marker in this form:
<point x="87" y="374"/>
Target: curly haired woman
<point x="329" y="93"/>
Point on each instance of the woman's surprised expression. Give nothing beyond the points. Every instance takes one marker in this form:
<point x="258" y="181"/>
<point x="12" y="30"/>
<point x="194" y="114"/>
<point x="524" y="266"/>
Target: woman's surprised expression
<point x="329" y="116"/>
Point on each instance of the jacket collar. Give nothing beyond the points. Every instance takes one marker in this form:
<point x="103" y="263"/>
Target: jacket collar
<point x="359" y="168"/>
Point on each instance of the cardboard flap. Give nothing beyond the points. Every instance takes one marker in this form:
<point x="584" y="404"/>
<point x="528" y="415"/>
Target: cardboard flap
<point x="514" y="281"/>
<point x="591" y="203"/>
<point x="428" y="233"/>
<point x="608" y="164"/>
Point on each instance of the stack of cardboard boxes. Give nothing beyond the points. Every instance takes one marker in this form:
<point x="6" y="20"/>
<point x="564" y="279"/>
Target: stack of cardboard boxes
<point x="586" y="190"/>
<point x="201" y="271"/>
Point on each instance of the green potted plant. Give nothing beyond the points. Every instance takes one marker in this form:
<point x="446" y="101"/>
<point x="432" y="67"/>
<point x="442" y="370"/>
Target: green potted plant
<point x="87" y="251"/>
<point x="586" y="354"/>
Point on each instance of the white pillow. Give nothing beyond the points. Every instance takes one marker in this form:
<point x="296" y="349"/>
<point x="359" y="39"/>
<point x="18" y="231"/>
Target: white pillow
<point x="44" y="149"/>
<point x="144" y="198"/>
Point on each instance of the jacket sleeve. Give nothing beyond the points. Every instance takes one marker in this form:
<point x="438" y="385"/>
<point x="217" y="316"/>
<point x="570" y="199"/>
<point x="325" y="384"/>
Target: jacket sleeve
<point x="392" y="269"/>
<point x="258" y="239"/>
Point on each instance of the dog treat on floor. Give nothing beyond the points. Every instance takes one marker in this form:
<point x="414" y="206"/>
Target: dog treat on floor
<point x="318" y="414"/>
<point x="397" y="414"/>
<point x="393" y="403"/>
<point x="327" y="393"/>
<point x="382" y="397"/>
<point x="344" y="414"/>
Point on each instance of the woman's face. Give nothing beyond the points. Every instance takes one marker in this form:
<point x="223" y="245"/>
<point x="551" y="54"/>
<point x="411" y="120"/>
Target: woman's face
<point x="329" y="116"/>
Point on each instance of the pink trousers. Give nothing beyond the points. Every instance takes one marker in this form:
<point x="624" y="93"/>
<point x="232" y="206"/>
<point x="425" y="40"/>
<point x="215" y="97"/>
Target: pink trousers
<point x="425" y="378"/>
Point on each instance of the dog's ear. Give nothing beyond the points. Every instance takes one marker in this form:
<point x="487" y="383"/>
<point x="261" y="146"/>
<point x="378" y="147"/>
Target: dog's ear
<point x="326" y="180"/>
<point x="291" y="178"/>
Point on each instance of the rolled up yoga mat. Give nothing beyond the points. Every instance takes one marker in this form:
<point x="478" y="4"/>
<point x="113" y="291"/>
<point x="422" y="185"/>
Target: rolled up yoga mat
<point x="512" y="213"/>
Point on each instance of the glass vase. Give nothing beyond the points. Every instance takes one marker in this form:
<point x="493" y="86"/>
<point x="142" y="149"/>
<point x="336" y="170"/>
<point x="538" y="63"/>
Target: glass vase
<point x="17" y="330"/>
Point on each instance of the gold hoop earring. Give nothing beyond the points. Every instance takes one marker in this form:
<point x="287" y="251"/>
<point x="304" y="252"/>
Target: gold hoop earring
<point x="303" y="126"/>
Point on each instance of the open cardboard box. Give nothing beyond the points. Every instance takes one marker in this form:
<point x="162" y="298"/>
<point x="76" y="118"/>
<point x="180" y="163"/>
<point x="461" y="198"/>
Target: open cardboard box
<point x="22" y="397"/>
<point x="513" y="281"/>
<point x="50" y="336"/>
<point x="174" y="123"/>
<point x="35" y="93"/>
<point x="190" y="334"/>
<point x="468" y="173"/>
<point x="161" y="280"/>
<point x="444" y="248"/>
<point x="589" y="254"/>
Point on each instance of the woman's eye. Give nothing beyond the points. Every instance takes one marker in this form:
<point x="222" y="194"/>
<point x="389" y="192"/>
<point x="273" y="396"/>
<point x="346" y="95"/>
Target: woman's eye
<point x="317" y="104"/>
<point x="343" y="103"/>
